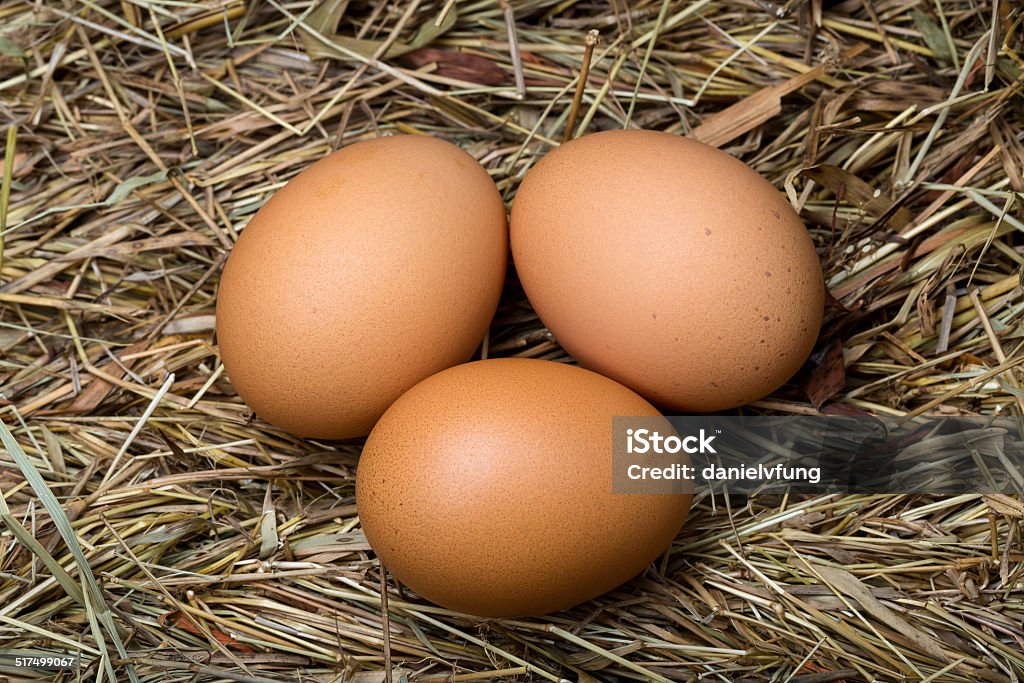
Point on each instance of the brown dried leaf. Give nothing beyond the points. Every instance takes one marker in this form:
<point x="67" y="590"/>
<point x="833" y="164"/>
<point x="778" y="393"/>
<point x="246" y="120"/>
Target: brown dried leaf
<point x="844" y="409"/>
<point x="857" y="191"/>
<point x="752" y="111"/>
<point x="457" y="65"/>
<point x="742" y="117"/>
<point x="97" y="389"/>
<point x="849" y="585"/>
<point x="180" y="620"/>
<point x="894" y="96"/>
<point x="828" y="373"/>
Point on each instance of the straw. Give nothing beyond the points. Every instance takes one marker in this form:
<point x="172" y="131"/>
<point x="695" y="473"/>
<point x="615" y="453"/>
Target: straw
<point x="155" y="526"/>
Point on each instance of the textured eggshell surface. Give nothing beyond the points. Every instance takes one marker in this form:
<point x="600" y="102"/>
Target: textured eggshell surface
<point x="669" y="266"/>
<point x="487" y="489"/>
<point x="374" y="268"/>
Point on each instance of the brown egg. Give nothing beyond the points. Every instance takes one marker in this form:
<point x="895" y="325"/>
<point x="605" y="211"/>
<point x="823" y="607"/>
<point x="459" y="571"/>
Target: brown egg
<point x="669" y="266"/>
<point x="487" y="489"/>
<point x="374" y="268"/>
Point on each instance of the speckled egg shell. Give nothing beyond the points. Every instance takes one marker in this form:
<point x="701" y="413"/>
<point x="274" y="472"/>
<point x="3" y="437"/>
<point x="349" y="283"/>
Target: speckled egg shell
<point x="374" y="268"/>
<point x="487" y="489"/>
<point x="669" y="266"/>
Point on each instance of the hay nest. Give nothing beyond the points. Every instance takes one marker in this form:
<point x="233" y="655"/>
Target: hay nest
<point x="155" y="527"/>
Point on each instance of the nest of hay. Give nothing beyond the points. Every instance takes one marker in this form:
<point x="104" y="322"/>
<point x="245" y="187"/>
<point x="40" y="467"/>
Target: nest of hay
<point x="153" y="526"/>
